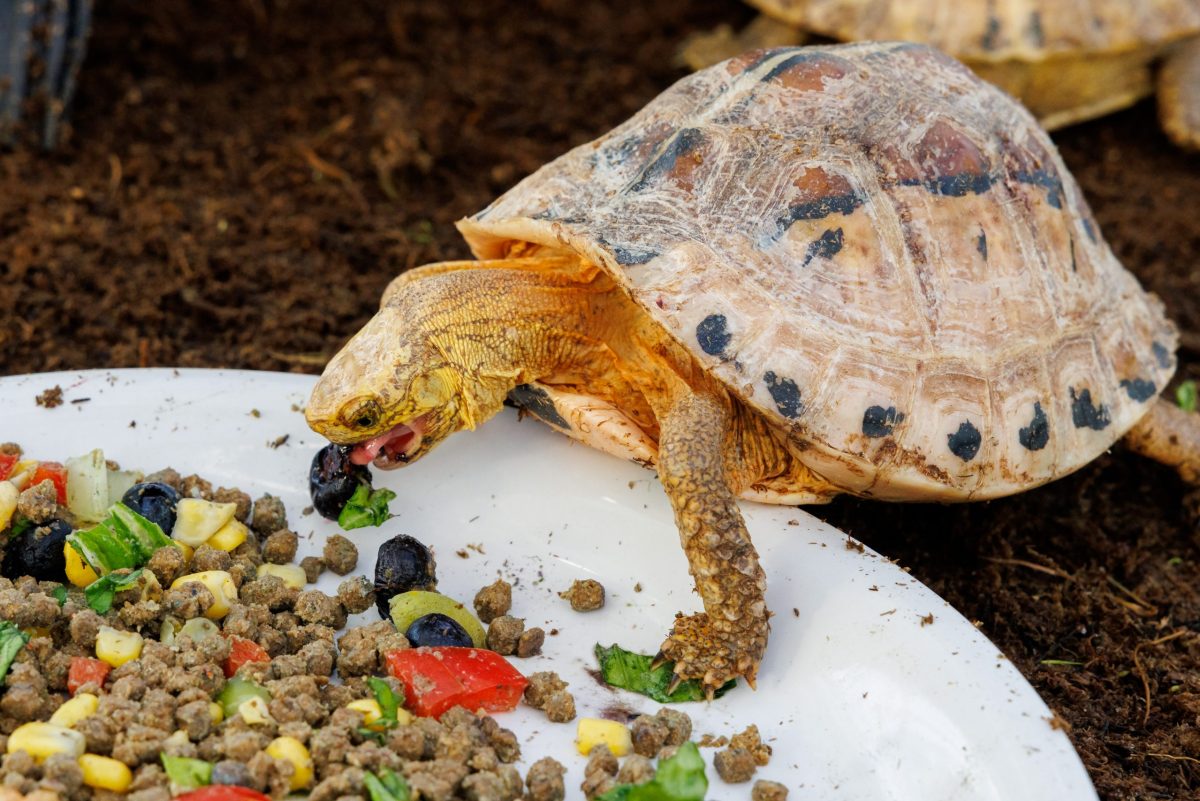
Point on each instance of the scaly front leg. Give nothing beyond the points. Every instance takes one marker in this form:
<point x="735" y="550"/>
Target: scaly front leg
<point x="729" y="638"/>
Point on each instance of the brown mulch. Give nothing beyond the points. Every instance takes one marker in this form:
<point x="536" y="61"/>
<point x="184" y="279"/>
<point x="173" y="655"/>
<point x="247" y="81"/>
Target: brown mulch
<point x="244" y="178"/>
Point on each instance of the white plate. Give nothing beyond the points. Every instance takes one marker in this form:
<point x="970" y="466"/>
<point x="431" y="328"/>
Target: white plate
<point x="857" y="697"/>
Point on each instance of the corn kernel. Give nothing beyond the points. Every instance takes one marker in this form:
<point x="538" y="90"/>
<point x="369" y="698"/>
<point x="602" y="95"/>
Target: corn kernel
<point x="216" y="712"/>
<point x="76" y="709"/>
<point x="22" y="473"/>
<point x="105" y="773"/>
<point x="79" y="572"/>
<point x="230" y="536"/>
<point x="292" y="750"/>
<point x="254" y="710"/>
<point x="187" y="550"/>
<point x="219" y="583"/>
<point x="8" y="502"/>
<point x="196" y="520"/>
<point x="117" y="647"/>
<point x="42" y="740"/>
<point x="292" y="575"/>
<point x="370" y="709"/>
<point x="592" y="732"/>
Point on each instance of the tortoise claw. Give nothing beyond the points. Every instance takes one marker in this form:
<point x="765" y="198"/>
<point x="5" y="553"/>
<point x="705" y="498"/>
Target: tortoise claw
<point x="676" y="680"/>
<point x="659" y="660"/>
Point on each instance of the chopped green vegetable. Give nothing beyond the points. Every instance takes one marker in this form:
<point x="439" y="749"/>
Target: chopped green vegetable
<point x="100" y="593"/>
<point x="678" y="778"/>
<point x="19" y="526"/>
<point x="236" y="692"/>
<point x="1187" y="396"/>
<point x="386" y="786"/>
<point x="630" y="671"/>
<point x="60" y="594"/>
<point x="185" y="773"/>
<point x="388" y="703"/>
<point x="122" y="539"/>
<point x="12" y="640"/>
<point x="366" y="507"/>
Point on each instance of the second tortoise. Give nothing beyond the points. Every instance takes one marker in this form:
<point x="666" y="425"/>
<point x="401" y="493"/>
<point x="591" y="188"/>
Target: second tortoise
<point x="803" y="272"/>
<point x="1067" y="60"/>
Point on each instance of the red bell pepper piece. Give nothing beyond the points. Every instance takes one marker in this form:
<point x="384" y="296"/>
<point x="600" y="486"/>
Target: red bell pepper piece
<point x="242" y="651"/>
<point x="84" y="669"/>
<point x="7" y="462"/>
<point x="223" y="792"/>
<point x="436" y="679"/>
<point x="57" y="475"/>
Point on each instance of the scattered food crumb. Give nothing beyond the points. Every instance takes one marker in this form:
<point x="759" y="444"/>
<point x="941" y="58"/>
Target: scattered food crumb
<point x="764" y="790"/>
<point x="793" y="522"/>
<point x="795" y="612"/>
<point x="255" y="413"/>
<point x="927" y="620"/>
<point x="854" y="545"/>
<point x="530" y="642"/>
<point x="712" y="741"/>
<point x="493" y="600"/>
<point x="750" y="740"/>
<point x="637" y="587"/>
<point x="585" y="596"/>
<point x="461" y="553"/>
<point x="341" y="555"/>
<point x="278" y="441"/>
<point x="503" y="634"/>
<point x="734" y="765"/>
<point x="50" y="397"/>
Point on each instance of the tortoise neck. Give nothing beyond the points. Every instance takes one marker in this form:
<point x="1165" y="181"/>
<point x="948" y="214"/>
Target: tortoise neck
<point x="502" y="324"/>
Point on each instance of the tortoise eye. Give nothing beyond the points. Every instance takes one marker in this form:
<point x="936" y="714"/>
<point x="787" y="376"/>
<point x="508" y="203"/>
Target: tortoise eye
<point x="364" y="415"/>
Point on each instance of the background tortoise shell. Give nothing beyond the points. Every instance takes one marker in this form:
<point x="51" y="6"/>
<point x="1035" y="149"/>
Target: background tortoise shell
<point x="998" y="30"/>
<point x="880" y="252"/>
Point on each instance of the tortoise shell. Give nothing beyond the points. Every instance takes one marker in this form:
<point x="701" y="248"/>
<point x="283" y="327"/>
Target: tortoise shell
<point x="879" y="252"/>
<point x="996" y="30"/>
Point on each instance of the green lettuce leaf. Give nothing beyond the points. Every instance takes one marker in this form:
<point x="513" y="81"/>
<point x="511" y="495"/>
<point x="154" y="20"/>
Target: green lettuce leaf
<point x="679" y="778"/>
<point x="185" y="773"/>
<point x="386" y="697"/>
<point x="366" y="507"/>
<point x="100" y="593"/>
<point x="123" y="539"/>
<point x="12" y="640"/>
<point x="630" y="671"/>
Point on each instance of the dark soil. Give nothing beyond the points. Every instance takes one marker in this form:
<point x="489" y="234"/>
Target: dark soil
<point x="241" y="184"/>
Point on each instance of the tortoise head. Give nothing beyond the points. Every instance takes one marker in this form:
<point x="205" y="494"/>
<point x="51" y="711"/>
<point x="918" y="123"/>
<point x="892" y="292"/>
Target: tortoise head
<point x="389" y="392"/>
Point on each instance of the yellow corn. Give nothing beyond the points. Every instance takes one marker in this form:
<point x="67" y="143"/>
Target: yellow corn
<point x="372" y="712"/>
<point x="370" y="709"/>
<point x="292" y="750"/>
<point x="22" y="472"/>
<point x="79" y="572"/>
<point x="219" y="583"/>
<point x="216" y="712"/>
<point x="71" y="712"/>
<point x="292" y="575"/>
<point x="8" y="502"/>
<point x="105" y="773"/>
<point x="196" y="520"/>
<point x="229" y="536"/>
<point x="254" y="710"/>
<point x="188" y="551"/>
<point x="42" y="740"/>
<point x="592" y="732"/>
<point x="117" y="647"/>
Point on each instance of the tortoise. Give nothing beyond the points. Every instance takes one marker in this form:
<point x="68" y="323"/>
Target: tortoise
<point x="1067" y="61"/>
<point x="801" y="272"/>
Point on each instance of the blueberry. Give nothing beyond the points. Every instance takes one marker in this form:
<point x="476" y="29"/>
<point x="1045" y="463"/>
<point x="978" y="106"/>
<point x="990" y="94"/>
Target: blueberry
<point x="38" y="552"/>
<point x="333" y="478"/>
<point x="436" y="629"/>
<point x="403" y="564"/>
<point x="154" y="501"/>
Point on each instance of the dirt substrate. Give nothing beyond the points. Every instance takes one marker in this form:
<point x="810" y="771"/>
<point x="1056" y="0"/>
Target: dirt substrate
<point x="239" y="188"/>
